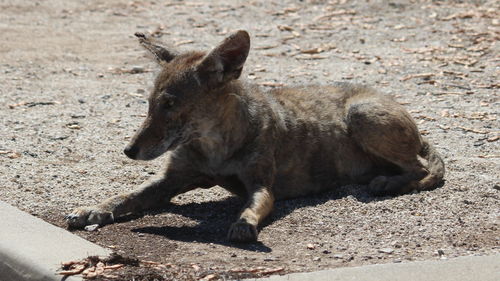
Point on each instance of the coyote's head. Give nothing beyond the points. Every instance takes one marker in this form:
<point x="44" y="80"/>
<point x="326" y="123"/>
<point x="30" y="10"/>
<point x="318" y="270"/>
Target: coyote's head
<point x="179" y="87"/>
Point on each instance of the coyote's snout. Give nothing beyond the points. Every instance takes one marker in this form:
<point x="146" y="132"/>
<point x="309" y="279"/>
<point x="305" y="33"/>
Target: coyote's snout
<point x="265" y="145"/>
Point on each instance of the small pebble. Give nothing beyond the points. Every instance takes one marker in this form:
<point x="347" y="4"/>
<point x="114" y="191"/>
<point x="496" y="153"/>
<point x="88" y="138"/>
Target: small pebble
<point x="137" y="69"/>
<point x="386" y="250"/>
<point x="92" y="227"/>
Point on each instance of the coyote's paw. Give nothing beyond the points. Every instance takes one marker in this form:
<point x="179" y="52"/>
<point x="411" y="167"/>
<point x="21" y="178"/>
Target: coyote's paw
<point x="382" y="185"/>
<point x="83" y="216"/>
<point x="242" y="231"/>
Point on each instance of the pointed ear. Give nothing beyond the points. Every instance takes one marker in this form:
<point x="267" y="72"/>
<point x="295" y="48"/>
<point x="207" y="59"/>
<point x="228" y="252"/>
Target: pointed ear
<point x="161" y="54"/>
<point x="225" y="62"/>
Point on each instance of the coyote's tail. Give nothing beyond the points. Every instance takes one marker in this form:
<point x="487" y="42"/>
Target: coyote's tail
<point x="435" y="165"/>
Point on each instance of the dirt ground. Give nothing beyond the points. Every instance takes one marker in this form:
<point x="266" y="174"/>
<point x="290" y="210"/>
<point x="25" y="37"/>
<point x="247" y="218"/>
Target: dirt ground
<point x="73" y="89"/>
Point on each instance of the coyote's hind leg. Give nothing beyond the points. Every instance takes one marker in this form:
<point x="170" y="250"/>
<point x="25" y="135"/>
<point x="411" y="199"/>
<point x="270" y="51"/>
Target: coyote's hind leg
<point x="384" y="129"/>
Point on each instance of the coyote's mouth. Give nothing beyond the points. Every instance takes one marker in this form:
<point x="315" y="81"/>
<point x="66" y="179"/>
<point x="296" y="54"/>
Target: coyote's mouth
<point x="172" y="143"/>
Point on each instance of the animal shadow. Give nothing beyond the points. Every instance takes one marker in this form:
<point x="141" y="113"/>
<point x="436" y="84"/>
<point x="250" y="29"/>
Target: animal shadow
<point x="215" y="217"/>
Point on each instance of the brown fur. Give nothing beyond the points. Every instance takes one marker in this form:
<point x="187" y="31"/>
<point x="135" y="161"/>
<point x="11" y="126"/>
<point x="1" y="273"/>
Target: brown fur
<point x="265" y="145"/>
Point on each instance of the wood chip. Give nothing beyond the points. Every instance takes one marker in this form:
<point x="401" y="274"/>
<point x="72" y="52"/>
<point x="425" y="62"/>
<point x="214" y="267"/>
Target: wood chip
<point x="401" y="39"/>
<point x="464" y="15"/>
<point x="313" y="51"/>
<point x="242" y="270"/>
<point x="114" y="266"/>
<point x="209" y="277"/>
<point x="493" y="139"/>
<point x="270" y="271"/>
<point x="285" y="28"/>
<point x="271" y="84"/>
<point x="472" y="130"/>
<point x="311" y="57"/>
<point x="74" y="126"/>
<point x="266" y="47"/>
<point x="183" y="42"/>
<point x="341" y="12"/>
<point x="14" y="155"/>
<point x="450" y="93"/>
<point x="489" y="156"/>
<point x="418" y="75"/>
<point x="33" y="103"/>
<point x="466" y="62"/>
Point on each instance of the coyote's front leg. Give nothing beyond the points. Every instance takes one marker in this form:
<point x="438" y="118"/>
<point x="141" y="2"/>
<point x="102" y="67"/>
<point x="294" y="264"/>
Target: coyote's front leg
<point x="257" y="208"/>
<point x="258" y="182"/>
<point x="152" y="195"/>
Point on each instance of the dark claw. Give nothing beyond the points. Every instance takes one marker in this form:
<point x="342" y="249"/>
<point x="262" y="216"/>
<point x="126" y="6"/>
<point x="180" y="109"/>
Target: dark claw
<point x="140" y="35"/>
<point x="71" y="217"/>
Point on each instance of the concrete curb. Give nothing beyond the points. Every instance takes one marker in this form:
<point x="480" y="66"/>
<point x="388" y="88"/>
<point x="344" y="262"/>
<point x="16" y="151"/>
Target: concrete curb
<point x="471" y="268"/>
<point x="32" y="249"/>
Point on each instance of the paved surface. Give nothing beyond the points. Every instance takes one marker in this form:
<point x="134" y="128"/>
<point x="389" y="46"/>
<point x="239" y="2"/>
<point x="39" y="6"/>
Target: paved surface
<point x="32" y="249"/>
<point x="472" y="268"/>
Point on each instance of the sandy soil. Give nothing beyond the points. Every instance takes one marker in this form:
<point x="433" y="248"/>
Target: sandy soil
<point x="73" y="89"/>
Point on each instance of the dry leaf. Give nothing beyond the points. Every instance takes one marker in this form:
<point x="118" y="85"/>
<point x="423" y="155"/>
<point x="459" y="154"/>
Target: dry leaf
<point x="76" y="270"/>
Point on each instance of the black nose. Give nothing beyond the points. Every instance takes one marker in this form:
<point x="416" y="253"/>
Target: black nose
<point x="131" y="151"/>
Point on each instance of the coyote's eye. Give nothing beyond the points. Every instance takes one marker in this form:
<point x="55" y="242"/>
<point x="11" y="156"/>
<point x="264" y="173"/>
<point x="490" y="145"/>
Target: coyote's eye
<point x="168" y="103"/>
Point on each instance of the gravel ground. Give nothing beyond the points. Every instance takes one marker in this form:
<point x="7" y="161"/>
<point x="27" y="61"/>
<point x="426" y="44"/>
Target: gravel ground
<point x="74" y="84"/>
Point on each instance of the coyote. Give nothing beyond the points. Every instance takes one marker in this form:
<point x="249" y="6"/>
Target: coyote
<point x="264" y="145"/>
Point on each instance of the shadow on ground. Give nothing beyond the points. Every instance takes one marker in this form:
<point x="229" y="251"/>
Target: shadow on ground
<point x="215" y="217"/>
